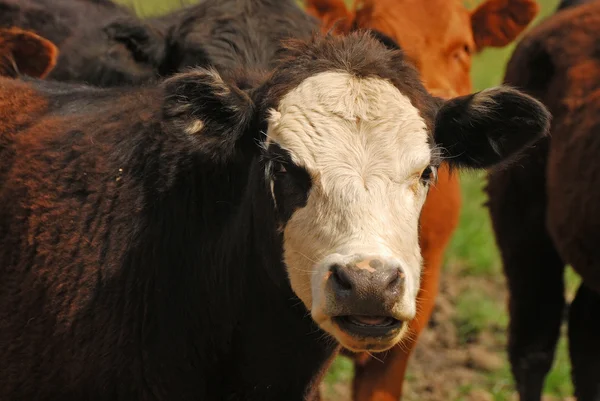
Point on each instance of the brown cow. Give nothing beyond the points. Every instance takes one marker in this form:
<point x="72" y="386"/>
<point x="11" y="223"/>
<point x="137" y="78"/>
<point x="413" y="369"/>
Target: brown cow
<point x="25" y="53"/>
<point x="440" y="37"/>
<point x="545" y="210"/>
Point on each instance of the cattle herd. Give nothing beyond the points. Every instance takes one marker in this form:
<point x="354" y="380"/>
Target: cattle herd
<point x="212" y="204"/>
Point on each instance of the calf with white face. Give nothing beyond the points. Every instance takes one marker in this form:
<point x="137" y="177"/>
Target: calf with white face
<point x="349" y="145"/>
<point x="187" y="227"/>
<point x="355" y="148"/>
<point x="352" y="251"/>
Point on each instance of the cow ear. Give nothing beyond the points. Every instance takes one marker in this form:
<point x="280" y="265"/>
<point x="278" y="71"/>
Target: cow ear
<point x="145" y="43"/>
<point x="26" y="53"/>
<point x="201" y="105"/>
<point x="496" y="23"/>
<point x="485" y="128"/>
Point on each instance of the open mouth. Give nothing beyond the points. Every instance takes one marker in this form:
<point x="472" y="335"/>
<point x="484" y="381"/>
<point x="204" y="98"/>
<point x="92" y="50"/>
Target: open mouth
<point x="368" y="326"/>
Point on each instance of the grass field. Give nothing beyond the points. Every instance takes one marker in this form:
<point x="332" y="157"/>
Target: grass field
<point x="478" y="301"/>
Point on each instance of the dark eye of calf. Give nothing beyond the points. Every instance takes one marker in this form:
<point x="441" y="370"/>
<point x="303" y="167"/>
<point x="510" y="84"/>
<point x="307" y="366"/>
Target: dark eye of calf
<point x="429" y="175"/>
<point x="291" y="183"/>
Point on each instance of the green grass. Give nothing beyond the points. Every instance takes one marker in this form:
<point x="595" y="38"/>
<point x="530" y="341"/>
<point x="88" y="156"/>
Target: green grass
<point x="341" y="371"/>
<point x="472" y="247"/>
<point x="151" y="8"/>
<point x="558" y="382"/>
<point x="477" y="312"/>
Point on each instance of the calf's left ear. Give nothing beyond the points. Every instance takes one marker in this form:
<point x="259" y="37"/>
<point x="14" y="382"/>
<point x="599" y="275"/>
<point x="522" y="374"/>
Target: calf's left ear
<point x="488" y="127"/>
<point x="212" y="112"/>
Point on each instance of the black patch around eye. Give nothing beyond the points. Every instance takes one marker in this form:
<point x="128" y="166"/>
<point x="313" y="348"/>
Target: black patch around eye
<point x="291" y="183"/>
<point x="429" y="175"/>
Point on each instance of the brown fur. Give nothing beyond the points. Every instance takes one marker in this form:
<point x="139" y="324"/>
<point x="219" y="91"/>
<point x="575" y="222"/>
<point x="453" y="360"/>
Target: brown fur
<point x="545" y="210"/>
<point x="440" y="37"/>
<point x="24" y="52"/>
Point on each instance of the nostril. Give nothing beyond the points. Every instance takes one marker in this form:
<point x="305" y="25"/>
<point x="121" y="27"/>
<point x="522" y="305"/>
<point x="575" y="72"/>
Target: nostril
<point x="340" y="277"/>
<point x="395" y="279"/>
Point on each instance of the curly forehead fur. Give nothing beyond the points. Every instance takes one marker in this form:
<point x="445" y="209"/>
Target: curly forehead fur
<point x="359" y="54"/>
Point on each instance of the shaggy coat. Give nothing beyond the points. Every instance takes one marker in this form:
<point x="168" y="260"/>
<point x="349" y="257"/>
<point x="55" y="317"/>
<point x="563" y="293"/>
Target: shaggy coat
<point x="231" y="33"/>
<point x="143" y="231"/>
<point x="545" y="209"/>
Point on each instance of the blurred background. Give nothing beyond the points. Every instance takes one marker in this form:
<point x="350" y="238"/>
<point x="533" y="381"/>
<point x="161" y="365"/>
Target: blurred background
<point x="461" y="356"/>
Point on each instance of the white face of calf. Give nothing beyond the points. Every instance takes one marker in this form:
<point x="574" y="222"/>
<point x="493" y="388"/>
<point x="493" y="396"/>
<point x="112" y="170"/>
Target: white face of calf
<point x="348" y="159"/>
<point x="352" y="251"/>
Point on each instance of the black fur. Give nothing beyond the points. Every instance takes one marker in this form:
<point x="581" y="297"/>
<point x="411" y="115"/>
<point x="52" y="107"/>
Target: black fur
<point x="104" y="44"/>
<point x="291" y="183"/>
<point x="386" y="40"/>
<point x="564" y="4"/>
<point x="100" y="42"/>
<point x="468" y="137"/>
<point x="237" y="34"/>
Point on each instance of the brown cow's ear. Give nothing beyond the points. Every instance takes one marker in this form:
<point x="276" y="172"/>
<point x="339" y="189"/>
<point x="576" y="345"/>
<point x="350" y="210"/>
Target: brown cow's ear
<point x="496" y="23"/>
<point x="25" y="53"/>
<point x="212" y="112"/>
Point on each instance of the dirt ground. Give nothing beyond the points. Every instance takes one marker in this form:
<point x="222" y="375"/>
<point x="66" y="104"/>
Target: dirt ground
<point x="449" y="365"/>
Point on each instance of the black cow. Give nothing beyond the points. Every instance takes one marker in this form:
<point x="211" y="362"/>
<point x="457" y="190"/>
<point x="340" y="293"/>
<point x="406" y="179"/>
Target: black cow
<point x="230" y="33"/>
<point x="100" y="42"/>
<point x="104" y="44"/>
<point x="193" y="241"/>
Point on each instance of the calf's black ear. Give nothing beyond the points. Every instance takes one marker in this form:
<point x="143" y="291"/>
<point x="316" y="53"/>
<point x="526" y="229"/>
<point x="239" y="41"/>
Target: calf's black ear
<point x="488" y="127"/>
<point x="212" y="112"/>
<point x="145" y="43"/>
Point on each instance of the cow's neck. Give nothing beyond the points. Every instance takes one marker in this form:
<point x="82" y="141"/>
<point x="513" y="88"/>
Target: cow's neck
<point x="275" y="333"/>
<point x="219" y="255"/>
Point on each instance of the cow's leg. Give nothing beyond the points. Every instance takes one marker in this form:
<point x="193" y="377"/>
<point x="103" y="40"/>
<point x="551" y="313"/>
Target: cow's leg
<point x="536" y="306"/>
<point x="533" y="268"/>
<point x="584" y="343"/>
<point x="382" y="379"/>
